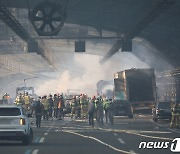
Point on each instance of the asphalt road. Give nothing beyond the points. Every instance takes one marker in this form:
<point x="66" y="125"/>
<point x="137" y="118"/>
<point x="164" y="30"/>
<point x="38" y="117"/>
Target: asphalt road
<point x="77" y="137"/>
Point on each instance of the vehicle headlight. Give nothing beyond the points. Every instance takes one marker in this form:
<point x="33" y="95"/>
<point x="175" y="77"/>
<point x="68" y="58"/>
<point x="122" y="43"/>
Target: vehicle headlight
<point x="22" y="121"/>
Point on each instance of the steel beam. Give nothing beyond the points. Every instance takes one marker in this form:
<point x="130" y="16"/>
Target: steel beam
<point x="17" y="28"/>
<point x="153" y="12"/>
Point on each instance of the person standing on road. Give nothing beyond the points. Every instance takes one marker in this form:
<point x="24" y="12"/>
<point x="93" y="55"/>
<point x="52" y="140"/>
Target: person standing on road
<point x="56" y="100"/>
<point x="178" y="116"/>
<point x="19" y="99"/>
<point x="84" y="104"/>
<point x="106" y="105"/>
<point x="99" y="108"/>
<point x="78" y="107"/>
<point x="111" y="113"/>
<point x="6" y="99"/>
<point x="38" y="112"/>
<point x="175" y="116"/>
<point x="27" y="101"/>
<point x="61" y="106"/>
<point x="74" y="107"/>
<point x="91" y="110"/>
<point x="46" y="107"/>
<point x="51" y="105"/>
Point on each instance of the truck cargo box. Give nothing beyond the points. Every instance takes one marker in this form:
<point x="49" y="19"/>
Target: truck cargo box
<point x="137" y="86"/>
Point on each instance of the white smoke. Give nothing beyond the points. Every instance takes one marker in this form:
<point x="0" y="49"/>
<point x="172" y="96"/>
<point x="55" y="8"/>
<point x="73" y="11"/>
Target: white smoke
<point x="150" y="55"/>
<point x="85" y="71"/>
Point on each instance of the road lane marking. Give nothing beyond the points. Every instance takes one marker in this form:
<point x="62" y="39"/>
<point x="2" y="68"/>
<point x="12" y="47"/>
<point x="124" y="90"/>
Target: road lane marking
<point x="76" y="128"/>
<point x="97" y="140"/>
<point x="83" y="127"/>
<point x="154" y="132"/>
<point x="173" y="130"/>
<point x="51" y="127"/>
<point x="159" y="125"/>
<point x="41" y="140"/>
<point x="45" y="134"/>
<point x="122" y="123"/>
<point x="132" y="152"/>
<point x="147" y="136"/>
<point x="176" y="131"/>
<point x="121" y="141"/>
<point x="134" y="133"/>
<point x="80" y="120"/>
<point x="35" y="152"/>
<point x="28" y="152"/>
<point x="142" y="116"/>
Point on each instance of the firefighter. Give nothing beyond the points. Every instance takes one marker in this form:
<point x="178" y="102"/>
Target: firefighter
<point x="51" y="105"/>
<point x="84" y="105"/>
<point x="91" y="110"/>
<point x="95" y="112"/>
<point x="38" y="112"/>
<point x="45" y="103"/>
<point x="20" y="99"/>
<point x="178" y="116"/>
<point x="175" y="116"/>
<point x="106" y="105"/>
<point x="17" y="100"/>
<point x="26" y="101"/>
<point x="6" y="98"/>
<point x="55" y="101"/>
<point x="74" y="107"/>
<point x="61" y="106"/>
<point x="99" y="111"/>
<point x="111" y="113"/>
<point x="79" y="107"/>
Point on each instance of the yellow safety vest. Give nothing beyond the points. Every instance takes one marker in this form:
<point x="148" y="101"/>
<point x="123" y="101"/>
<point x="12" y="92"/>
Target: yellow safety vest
<point x="45" y="104"/>
<point x="26" y="99"/>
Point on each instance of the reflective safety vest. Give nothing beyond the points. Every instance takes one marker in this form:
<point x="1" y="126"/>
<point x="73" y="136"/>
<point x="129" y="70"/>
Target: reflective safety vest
<point x="45" y="104"/>
<point x="106" y="105"/>
<point x="83" y="101"/>
<point x="19" y="100"/>
<point x="26" y="99"/>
